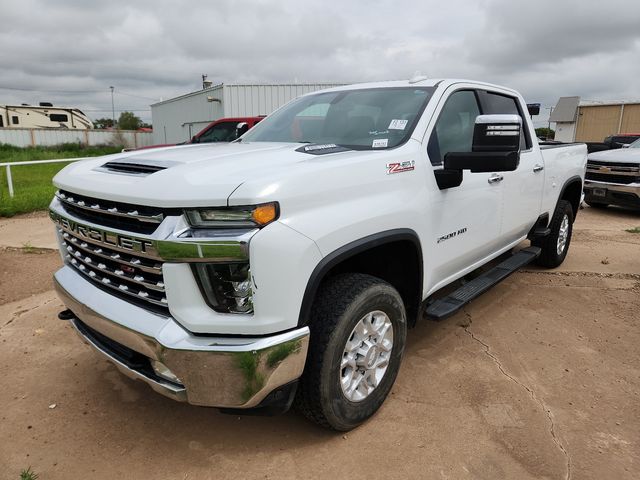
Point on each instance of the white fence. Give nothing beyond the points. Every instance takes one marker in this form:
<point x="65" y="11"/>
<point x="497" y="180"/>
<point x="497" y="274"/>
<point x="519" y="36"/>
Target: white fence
<point x="42" y="137"/>
<point x="9" y="165"/>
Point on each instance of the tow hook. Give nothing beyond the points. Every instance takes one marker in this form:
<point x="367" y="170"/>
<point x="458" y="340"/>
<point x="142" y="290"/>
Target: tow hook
<point x="66" y="315"/>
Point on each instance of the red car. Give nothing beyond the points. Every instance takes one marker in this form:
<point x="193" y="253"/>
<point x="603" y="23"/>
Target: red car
<point x="221" y="130"/>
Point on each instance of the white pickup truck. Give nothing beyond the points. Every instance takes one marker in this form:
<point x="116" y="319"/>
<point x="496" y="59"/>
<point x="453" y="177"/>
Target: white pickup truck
<point x="286" y="267"/>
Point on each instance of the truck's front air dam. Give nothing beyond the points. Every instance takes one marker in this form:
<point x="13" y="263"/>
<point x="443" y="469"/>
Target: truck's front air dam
<point x="221" y="372"/>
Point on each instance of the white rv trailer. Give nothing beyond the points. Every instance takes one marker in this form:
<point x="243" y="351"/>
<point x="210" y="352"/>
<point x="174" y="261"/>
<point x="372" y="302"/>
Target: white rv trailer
<point x="43" y="116"/>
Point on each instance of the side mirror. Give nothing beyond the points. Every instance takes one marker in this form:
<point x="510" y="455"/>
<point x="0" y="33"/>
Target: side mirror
<point x="241" y="129"/>
<point x="533" y="108"/>
<point x="194" y="139"/>
<point x="495" y="148"/>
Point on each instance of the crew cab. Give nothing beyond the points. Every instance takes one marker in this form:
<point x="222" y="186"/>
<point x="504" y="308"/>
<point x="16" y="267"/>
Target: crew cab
<point x="613" y="177"/>
<point x="286" y="266"/>
<point x="221" y="130"/>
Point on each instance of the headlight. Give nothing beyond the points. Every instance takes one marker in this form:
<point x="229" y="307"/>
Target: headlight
<point x="233" y="217"/>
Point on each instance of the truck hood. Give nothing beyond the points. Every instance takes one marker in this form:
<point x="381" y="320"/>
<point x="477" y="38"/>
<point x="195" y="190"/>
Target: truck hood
<point x="182" y="176"/>
<point x="620" y="155"/>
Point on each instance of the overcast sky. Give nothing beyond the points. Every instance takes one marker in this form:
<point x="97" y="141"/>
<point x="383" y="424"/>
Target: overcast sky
<point x="71" y="51"/>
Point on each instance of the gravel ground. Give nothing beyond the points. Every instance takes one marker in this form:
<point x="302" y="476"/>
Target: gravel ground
<point x="537" y="379"/>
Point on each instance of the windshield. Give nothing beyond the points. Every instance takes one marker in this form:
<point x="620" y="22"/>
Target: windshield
<point x="635" y="144"/>
<point x="359" y="119"/>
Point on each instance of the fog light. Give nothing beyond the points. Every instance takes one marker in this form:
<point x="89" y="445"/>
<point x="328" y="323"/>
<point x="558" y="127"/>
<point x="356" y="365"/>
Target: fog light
<point x="226" y="287"/>
<point x="163" y="371"/>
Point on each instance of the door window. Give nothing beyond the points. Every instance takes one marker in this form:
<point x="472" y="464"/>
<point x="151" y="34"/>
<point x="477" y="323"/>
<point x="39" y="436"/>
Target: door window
<point x="498" y="104"/>
<point x="453" y="131"/>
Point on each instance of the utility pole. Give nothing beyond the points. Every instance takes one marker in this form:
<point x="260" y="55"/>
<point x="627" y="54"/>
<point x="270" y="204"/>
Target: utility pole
<point x="113" y="109"/>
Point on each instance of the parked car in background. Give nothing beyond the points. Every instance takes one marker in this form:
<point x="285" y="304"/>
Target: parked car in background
<point x="613" y="177"/>
<point x="613" y="142"/>
<point x="221" y="130"/>
<point x="621" y="141"/>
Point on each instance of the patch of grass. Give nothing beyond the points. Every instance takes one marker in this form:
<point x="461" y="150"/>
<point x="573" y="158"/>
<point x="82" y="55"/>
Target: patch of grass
<point x="28" y="474"/>
<point x="633" y="230"/>
<point x="32" y="184"/>
<point x="28" y="248"/>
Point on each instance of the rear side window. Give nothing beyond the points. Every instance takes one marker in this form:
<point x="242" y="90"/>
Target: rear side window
<point x="453" y="131"/>
<point x="498" y="104"/>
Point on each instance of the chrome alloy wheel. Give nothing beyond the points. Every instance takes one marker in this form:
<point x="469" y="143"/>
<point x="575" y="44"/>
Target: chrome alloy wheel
<point x="366" y="356"/>
<point x="563" y="234"/>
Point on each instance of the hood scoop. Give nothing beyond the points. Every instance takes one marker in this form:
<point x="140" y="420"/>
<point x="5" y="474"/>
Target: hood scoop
<point x="137" y="167"/>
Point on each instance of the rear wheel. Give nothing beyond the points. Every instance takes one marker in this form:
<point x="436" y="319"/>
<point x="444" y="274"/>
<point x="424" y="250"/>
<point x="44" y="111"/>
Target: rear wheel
<point x="556" y="245"/>
<point x="358" y="332"/>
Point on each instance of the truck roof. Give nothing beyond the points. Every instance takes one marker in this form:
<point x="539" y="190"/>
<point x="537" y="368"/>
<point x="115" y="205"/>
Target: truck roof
<point x="414" y="82"/>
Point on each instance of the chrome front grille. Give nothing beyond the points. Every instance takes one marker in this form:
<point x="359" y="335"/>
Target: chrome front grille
<point x="124" y="216"/>
<point x="129" y="275"/>
<point x="624" y="173"/>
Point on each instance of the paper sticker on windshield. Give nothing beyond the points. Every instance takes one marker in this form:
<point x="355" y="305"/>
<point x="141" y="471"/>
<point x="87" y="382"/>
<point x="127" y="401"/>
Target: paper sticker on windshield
<point x="380" y="142"/>
<point x="397" y="124"/>
<point x="399" y="167"/>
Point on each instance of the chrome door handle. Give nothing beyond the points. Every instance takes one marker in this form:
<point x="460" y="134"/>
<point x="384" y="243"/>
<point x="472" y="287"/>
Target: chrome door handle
<point x="495" y="178"/>
<point x="538" y="168"/>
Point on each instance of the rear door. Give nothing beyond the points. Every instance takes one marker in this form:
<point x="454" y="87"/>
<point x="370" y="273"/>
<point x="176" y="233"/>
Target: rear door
<point x="522" y="188"/>
<point x="465" y="220"/>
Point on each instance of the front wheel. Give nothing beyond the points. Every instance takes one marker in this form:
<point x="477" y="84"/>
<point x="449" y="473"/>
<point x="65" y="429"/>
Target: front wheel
<point x="556" y="245"/>
<point x="358" y="333"/>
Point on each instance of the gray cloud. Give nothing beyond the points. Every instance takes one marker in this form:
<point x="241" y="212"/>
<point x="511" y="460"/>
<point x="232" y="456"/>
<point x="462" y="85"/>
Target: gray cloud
<point x="155" y="49"/>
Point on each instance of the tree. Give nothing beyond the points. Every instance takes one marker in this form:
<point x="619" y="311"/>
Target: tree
<point x="103" y="123"/>
<point x="129" y="121"/>
<point x="544" y="132"/>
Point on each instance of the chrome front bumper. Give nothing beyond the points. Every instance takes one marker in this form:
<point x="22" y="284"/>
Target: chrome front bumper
<point x="612" y="193"/>
<point x="614" y="187"/>
<point x="212" y="371"/>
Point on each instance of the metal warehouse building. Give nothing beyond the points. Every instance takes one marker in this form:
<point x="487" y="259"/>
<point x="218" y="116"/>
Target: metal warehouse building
<point x="592" y="122"/>
<point x="178" y="119"/>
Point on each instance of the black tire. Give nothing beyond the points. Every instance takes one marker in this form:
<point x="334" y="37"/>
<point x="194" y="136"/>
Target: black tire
<point x="596" y="204"/>
<point x="342" y="301"/>
<point x="550" y="258"/>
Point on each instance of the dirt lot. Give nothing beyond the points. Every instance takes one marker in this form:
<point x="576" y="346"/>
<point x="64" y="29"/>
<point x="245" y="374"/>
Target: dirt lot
<point x="539" y="378"/>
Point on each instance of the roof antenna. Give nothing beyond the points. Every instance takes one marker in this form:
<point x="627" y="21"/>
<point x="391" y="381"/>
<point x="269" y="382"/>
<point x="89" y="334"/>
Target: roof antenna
<point x="418" y="77"/>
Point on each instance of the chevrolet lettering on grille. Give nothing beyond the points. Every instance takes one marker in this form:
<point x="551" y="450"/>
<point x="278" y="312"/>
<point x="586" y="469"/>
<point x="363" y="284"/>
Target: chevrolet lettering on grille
<point x="106" y="238"/>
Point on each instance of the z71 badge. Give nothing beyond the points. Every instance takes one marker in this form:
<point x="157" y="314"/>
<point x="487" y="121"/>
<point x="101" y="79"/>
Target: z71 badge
<point x="399" y="167"/>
